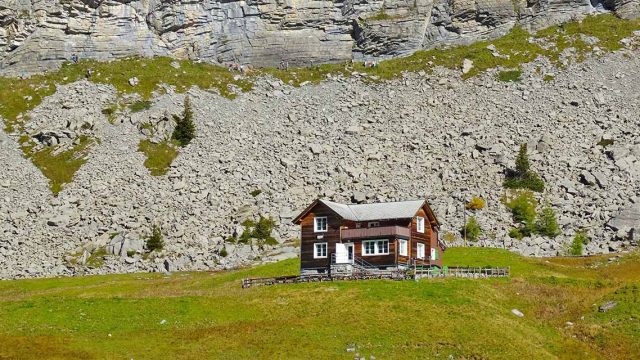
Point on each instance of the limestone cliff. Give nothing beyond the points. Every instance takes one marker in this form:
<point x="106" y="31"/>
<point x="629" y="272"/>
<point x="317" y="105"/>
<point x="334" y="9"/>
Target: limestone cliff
<point x="40" y="34"/>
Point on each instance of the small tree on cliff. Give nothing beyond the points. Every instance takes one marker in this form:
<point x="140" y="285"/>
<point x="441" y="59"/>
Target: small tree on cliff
<point x="185" y="129"/>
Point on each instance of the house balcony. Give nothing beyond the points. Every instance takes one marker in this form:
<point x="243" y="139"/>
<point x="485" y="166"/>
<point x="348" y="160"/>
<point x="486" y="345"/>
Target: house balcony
<point x="375" y="232"/>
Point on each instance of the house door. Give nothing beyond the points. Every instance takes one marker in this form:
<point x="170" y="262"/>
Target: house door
<point x="344" y="253"/>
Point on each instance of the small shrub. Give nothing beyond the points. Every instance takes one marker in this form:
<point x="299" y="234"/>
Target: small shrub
<point x="449" y="237"/>
<point x="260" y="231"/>
<point x="515" y="233"/>
<point x="547" y="223"/>
<point x="223" y="252"/>
<point x="523" y="209"/>
<point x="140" y="106"/>
<point x="577" y="245"/>
<point x="510" y="75"/>
<point x="255" y="192"/>
<point x="472" y="229"/>
<point x="476" y="203"/>
<point x="155" y="241"/>
<point x="605" y="142"/>
<point x="548" y="78"/>
<point x="185" y="129"/>
<point x="130" y="253"/>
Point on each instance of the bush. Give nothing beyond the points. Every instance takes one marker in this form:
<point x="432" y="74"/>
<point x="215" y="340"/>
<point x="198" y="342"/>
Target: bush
<point x="515" y="233"/>
<point x="523" y="209"/>
<point x="578" y="243"/>
<point x="532" y="182"/>
<point x="156" y="240"/>
<point x="547" y="223"/>
<point x="472" y="229"/>
<point x="522" y="177"/>
<point x="223" y="252"/>
<point x="255" y="192"/>
<point x="260" y="231"/>
<point x="476" y="203"/>
<point x="185" y="129"/>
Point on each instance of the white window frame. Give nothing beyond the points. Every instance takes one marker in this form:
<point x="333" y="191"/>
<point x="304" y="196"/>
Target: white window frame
<point x="373" y="224"/>
<point x="420" y="251"/>
<point x="376" y="247"/>
<point x="434" y="254"/>
<point x="420" y="224"/>
<point x="402" y="247"/>
<point x="316" y="228"/>
<point x="315" y="250"/>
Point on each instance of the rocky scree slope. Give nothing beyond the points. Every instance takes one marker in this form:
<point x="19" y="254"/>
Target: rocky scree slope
<point x="424" y="135"/>
<point x="40" y="34"/>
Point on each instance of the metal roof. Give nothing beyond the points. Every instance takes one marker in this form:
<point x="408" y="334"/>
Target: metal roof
<point x="377" y="211"/>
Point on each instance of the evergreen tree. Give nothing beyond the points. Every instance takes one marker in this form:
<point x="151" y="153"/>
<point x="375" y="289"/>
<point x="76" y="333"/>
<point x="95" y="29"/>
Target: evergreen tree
<point x="185" y="129"/>
<point x="155" y="241"/>
<point x="522" y="177"/>
<point x="547" y="223"/>
<point x="522" y="161"/>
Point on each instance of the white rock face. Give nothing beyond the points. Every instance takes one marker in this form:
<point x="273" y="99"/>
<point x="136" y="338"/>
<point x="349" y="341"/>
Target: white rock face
<point x="39" y="34"/>
<point x="421" y="136"/>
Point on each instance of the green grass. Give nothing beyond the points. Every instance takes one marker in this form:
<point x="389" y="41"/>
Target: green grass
<point x="208" y="315"/>
<point x="60" y="167"/>
<point x="140" y="106"/>
<point x="159" y="156"/>
<point x="510" y="75"/>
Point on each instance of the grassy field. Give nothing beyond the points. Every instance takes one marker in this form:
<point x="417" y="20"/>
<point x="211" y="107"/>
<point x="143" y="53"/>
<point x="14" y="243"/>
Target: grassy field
<point x="208" y="315"/>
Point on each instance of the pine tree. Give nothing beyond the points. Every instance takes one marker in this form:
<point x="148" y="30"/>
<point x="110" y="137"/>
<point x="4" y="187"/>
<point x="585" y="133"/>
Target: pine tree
<point x="547" y="224"/>
<point x="185" y="129"/>
<point x="522" y="161"/>
<point x="155" y="241"/>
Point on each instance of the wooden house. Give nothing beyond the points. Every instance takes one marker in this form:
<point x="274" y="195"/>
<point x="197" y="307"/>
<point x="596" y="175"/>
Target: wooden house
<point x="384" y="236"/>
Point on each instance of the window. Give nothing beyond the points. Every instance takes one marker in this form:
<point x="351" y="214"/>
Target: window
<point x="319" y="250"/>
<point x="434" y="254"/>
<point x="420" y="251"/>
<point x="402" y="244"/>
<point x="375" y="247"/>
<point x="320" y="224"/>
<point x="373" y="224"/>
<point x="358" y="225"/>
<point x="420" y="224"/>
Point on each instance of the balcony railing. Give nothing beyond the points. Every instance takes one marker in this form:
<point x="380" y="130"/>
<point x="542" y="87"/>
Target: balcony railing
<point x="374" y="232"/>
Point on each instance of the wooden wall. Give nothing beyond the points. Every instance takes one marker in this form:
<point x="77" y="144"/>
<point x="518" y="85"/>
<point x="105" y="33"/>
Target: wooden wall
<point x="308" y="236"/>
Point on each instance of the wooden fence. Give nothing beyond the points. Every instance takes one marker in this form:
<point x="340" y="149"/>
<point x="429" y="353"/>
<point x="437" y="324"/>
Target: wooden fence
<point x="467" y="272"/>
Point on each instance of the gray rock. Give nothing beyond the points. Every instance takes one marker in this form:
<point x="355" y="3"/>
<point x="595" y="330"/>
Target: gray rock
<point x="607" y="306"/>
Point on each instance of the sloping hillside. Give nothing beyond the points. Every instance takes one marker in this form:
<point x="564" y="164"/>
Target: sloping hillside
<point x="208" y="315"/>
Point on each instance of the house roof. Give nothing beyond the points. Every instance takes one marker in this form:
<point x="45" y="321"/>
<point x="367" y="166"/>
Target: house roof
<point x="377" y="211"/>
<point x="371" y="212"/>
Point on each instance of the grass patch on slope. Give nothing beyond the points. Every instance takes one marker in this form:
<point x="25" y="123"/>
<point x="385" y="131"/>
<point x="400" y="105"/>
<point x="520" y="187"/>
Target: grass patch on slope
<point x="159" y="156"/>
<point x="60" y="166"/>
<point x="208" y="315"/>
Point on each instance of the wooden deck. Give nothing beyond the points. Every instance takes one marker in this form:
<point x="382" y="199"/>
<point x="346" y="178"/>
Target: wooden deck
<point x="467" y="272"/>
<point x="375" y="232"/>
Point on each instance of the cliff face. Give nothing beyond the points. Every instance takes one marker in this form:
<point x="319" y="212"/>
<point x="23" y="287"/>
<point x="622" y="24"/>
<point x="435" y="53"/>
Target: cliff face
<point x="39" y="34"/>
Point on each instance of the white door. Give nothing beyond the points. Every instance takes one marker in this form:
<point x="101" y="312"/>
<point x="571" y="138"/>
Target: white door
<point x="342" y="257"/>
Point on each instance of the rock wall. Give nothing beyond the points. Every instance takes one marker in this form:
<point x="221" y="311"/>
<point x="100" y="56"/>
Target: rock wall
<point x="39" y="34"/>
<point x="428" y="136"/>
